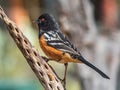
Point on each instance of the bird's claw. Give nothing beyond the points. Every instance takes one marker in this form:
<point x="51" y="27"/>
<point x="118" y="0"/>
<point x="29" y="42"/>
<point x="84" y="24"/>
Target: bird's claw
<point x="63" y="81"/>
<point x="45" y="58"/>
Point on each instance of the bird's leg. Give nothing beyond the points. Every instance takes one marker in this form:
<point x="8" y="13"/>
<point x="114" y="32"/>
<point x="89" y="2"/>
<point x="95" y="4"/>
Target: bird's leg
<point x="55" y="72"/>
<point x="64" y="79"/>
<point x="46" y="59"/>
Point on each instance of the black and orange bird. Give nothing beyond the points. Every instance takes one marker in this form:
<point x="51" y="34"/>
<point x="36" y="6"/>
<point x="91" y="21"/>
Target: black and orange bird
<point x="57" y="47"/>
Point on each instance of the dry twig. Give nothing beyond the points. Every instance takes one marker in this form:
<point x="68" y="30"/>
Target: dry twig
<point x="42" y="70"/>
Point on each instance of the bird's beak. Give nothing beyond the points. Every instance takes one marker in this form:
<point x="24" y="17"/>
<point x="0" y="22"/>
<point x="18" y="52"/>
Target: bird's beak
<point x="36" y="21"/>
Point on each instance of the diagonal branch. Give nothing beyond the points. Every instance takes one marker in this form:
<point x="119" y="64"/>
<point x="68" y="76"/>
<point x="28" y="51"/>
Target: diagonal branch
<point x="43" y="71"/>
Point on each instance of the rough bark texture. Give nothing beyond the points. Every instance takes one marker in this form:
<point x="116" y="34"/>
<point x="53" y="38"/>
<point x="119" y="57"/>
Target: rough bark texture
<point x="43" y="71"/>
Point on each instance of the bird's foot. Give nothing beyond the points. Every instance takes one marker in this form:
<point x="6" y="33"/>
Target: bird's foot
<point x="63" y="81"/>
<point x="45" y="58"/>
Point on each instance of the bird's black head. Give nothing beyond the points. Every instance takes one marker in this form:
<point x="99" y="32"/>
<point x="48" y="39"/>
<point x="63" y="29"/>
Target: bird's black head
<point x="46" y="22"/>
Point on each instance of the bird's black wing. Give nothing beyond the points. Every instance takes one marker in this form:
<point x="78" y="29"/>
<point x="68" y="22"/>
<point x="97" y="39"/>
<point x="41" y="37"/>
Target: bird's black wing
<point x="59" y="41"/>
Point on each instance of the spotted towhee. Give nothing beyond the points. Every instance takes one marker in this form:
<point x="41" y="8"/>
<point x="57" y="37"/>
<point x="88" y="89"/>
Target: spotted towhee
<point x="56" y="46"/>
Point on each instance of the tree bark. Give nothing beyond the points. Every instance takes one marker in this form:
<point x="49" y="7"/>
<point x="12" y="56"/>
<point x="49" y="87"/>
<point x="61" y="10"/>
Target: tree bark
<point x="43" y="71"/>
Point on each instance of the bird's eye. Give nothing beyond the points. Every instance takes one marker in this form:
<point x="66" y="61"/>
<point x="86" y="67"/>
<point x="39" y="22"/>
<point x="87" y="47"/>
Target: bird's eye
<point x="42" y="20"/>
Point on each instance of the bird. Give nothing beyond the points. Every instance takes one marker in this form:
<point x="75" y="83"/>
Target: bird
<point x="57" y="46"/>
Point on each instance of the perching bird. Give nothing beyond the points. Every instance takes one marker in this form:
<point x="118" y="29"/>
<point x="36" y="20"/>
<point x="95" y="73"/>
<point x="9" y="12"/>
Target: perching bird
<point x="57" y="47"/>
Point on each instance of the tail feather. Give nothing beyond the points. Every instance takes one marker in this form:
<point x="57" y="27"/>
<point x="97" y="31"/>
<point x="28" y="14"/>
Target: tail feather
<point x="93" y="67"/>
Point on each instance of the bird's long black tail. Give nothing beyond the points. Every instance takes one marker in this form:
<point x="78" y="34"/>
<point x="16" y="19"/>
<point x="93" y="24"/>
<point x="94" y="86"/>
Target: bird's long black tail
<point x="92" y="66"/>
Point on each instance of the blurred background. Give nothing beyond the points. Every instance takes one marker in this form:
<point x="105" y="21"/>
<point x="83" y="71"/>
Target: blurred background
<point x="92" y="25"/>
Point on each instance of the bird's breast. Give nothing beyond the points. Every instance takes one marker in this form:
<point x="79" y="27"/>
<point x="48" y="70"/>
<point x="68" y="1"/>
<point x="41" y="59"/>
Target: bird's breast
<point x="55" y="54"/>
<point x="48" y="50"/>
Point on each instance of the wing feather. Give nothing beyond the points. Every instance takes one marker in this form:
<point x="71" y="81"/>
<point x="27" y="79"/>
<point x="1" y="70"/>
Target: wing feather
<point x="59" y="41"/>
